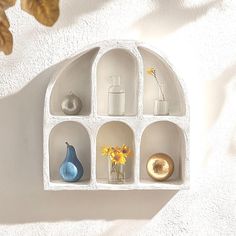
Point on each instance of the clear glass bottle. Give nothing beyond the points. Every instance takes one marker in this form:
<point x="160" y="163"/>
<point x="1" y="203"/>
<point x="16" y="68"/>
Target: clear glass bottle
<point x="116" y="98"/>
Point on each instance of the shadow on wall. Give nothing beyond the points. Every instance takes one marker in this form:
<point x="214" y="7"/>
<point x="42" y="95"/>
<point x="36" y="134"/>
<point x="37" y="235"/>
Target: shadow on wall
<point x="216" y="94"/>
<point x="22" y="196"/>
<point x="220" y="108"/>
<point x="166" y="17"/>
<point x="170" y="15"/>
<point x="74" y="9"/>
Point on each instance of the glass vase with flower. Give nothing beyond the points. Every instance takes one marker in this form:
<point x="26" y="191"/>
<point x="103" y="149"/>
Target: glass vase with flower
<point x="117" y="158"/>
<point x="160" y="103"/>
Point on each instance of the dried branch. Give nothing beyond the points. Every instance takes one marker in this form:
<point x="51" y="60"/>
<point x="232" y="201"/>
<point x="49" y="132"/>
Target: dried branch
<point x="6" y="39"/>
<point x="45" y="11"/>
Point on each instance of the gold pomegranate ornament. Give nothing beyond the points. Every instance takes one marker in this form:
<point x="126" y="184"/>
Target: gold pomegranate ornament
<point x="160" y="166"/>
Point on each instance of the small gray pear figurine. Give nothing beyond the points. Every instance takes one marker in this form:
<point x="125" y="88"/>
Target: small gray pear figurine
<point x="71" y="169"/>
<point x="71" y="104"/>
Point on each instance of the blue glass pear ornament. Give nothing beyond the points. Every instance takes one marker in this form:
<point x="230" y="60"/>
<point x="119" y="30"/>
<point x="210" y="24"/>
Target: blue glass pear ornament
<point x="71" y="169"/>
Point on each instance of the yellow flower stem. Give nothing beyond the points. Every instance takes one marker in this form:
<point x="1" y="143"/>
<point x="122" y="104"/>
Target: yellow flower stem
<point x="158" y="84"/>
<point x="117" y="172"/>
<point x="122" y="174"/>
<point x="113" y="166"/>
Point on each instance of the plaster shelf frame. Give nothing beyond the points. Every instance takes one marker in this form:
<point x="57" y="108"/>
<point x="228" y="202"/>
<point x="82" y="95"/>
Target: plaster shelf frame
<point x="95" y="126"/>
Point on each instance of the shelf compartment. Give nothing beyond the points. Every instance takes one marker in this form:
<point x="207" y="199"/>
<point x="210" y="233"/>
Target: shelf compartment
<point x="117" y="62"/>
<point x="75" y="134"/>
<point x="163" y="137"/>
<point x="114" y="133"/>
<point x="165" y="74"/>
<point x="76" y="78"/>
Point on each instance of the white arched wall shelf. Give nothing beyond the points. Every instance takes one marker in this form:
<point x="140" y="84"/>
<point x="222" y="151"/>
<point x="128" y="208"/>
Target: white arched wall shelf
<point x="86" y="74"/>
<point x="112" y="134"/>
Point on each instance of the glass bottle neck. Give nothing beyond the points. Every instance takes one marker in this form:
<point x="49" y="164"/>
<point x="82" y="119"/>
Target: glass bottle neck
<point x="115" y="80"/>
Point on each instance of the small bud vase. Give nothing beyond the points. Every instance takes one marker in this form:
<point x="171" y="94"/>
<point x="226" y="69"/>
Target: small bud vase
<point x="116" y="173"/>
<point x="161" y="106"/>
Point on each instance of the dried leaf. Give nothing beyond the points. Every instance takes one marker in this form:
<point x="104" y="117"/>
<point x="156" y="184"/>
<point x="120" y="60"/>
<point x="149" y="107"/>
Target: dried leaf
<point x="4" y="4"/>
<point x="44" y="11"/>
<point x="6" y="40"/>
<point x="3" y="19"/>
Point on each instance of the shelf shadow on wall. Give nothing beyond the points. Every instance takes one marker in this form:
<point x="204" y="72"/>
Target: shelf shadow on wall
<point x="219" y="95"/>
<point x="214" y="88"/>
<point x="23" y="199"/>
<point x="72" y="9"/>
<point x="169" y="16"/>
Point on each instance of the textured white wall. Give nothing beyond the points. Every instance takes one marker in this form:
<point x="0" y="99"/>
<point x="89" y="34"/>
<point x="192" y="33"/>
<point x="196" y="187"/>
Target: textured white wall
<point x="199" y="38"/>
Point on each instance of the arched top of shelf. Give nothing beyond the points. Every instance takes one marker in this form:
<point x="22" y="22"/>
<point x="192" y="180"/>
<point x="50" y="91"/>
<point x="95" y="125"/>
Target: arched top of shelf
<point x="67" y="63"/>
<point x="118" y="124"/>
<point x="168" y="123"/>
<point x="94" y="54"/>
<point x="130" y="51"/>
<point x="69" y="123"/>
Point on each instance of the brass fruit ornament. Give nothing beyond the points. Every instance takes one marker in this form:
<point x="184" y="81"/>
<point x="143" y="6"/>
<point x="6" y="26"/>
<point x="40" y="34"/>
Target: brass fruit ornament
<point x="160" y="166"/>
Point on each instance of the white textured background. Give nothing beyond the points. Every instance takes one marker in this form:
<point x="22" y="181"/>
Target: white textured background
<point x="199" y="38"/>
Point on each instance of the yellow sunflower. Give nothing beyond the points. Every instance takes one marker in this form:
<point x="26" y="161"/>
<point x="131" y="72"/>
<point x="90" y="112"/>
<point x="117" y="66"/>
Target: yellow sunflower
<point x="106" y="151"/>
<point x="118" y="158"/>
<point x="126" y="150"/>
